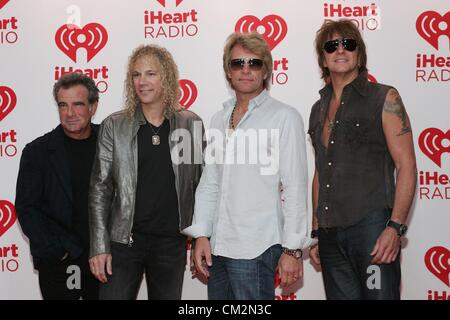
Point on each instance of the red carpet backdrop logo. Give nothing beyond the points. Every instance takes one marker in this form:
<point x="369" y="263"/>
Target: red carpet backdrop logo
<point x="3" y="3"/>
<point x="433" y="66"/>
<point x="188" y="93"/>
<point x="7" y="216"/>
<point x="92" y="37"/>
<point x="163" y="2"/>
<point x="431" y="25"/>
<point x="170" y="25"/>
<point x="437" y="260"/>
<point x="431" y="142"/>
<point x="8" y="101"/>
<point x="272" y="27"/>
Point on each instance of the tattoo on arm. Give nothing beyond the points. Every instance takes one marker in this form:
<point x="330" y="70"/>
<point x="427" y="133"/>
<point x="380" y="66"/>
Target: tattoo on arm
<point x="396" y="107"/>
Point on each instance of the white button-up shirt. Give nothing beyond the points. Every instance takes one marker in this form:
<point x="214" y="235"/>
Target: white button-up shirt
<point x="246" y="202"/>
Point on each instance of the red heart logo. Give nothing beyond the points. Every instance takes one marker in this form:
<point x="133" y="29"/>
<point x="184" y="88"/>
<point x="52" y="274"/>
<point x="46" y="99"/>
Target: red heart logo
<point x="430" y="142"/>
<point x="274" y="28"/>
<point x="3" y="2"/>
<point x="437" y="260"/>
<point x="69" y="38"/>
<point x="430" y="25"/>
<point x="8" y="100"/>
<point x="7" y="216"/>
<point x="163" y="2"/>
<point x="188" y="93"/>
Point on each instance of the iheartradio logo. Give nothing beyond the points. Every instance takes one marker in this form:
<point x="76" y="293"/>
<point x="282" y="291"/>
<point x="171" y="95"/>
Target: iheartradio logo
<point x="433" y="143"/>
<point x="163" y="2"/>
<point x="92" y="37"/>
<point x="273" y="28"/>
<point x="437" y="260"/>
<point x="188" y="93"/>
<point x="431" y="25"/>
<point x="3" y="3"/>
<point x="8" y="101"/>
<point x="7" y="216"/>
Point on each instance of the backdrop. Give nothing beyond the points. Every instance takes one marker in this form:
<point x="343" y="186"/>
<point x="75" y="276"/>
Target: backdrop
<point x="408" y="47"/>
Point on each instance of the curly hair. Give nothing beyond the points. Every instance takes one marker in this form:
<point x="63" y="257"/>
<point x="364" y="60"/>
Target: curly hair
<point x="254" y="43"/>
<point x="345" y="28"/>
<point x="169" y="78"/>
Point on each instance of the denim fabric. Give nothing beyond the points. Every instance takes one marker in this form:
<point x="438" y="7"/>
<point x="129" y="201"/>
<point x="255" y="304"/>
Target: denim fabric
<point x="242" y="279"/>
<point x="346" y="262"/>
<point x="162" y="260"/>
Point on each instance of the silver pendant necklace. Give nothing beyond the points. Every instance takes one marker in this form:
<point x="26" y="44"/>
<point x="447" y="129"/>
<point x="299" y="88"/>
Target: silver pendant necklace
<point x="156" y="141"/>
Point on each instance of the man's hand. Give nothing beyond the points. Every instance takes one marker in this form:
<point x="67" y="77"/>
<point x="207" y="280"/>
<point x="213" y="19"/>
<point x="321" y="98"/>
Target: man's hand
<point x="290" y="269"/>
<point x="98" y="264"/>
<point x="387" y="247"/>
<point x="202" y="256"/>
<point x="314" y="254"/>
<point x="192" y="263"/>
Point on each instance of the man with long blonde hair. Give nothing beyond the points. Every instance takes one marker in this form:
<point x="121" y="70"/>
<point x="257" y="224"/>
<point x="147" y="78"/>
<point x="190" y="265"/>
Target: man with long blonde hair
<point x="142" y="192"/>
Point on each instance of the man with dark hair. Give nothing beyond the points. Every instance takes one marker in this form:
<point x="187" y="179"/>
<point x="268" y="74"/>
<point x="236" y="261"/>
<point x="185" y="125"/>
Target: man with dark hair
<point x="52" y="193"/>
<point x="361" y="135"/>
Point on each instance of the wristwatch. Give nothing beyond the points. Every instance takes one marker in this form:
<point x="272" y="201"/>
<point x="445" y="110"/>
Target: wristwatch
<point x="296" y="253"/>
<point x="401" y="228"/>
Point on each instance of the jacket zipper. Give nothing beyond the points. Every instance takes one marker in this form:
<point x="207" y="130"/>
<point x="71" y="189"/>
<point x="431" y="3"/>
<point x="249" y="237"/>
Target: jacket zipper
<point x="130" y="243"/>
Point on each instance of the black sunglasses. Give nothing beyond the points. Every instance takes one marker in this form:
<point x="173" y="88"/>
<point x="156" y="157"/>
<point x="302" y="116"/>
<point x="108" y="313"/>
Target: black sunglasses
<point x="332" y="45"/>
<point x="253" y="63"/>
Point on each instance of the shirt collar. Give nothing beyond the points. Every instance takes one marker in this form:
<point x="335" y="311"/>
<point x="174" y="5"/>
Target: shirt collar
<point x="255" y="102"/>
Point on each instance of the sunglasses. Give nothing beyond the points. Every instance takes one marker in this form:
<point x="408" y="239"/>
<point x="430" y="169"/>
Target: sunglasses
<point x="253" y="64"/>
<point x="332" y="45"/>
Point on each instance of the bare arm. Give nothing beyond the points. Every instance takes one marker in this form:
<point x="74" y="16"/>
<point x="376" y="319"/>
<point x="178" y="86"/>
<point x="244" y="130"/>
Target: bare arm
<point x="397" y="130"/>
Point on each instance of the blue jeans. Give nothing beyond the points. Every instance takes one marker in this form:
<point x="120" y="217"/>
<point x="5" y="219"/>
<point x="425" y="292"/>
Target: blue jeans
<point x="346" y="262"/>
<point x="242" y="279"/>
<point x="161" y="259"/>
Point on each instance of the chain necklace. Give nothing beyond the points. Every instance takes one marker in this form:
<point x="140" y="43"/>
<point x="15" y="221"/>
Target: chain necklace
<point x="156" y="141"/>
<point x="330" y="123"/>
<point x="232" y="118"/>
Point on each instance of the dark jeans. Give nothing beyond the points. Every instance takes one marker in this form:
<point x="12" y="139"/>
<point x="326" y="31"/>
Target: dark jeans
<point x="242" y="279"/>
<point x="161" y="259"/>
<point x="64" y="281"/>
<point x="346" y="262"/>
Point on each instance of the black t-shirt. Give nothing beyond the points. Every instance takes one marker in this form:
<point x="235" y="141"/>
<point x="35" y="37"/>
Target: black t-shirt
<point x="80" y="154"/>
<point x="156" y="209"/>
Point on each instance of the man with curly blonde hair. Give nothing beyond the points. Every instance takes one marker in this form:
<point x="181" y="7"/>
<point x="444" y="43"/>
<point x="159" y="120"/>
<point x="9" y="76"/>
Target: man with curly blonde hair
<point x="142" y="185"/>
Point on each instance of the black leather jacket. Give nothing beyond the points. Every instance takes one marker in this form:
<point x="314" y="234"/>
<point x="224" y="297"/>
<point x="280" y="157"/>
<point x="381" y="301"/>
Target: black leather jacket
<point x="114" y="174"/>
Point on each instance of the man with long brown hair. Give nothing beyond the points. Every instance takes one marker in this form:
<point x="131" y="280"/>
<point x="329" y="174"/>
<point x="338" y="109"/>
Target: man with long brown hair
<point x="361" y="134"/>
<point x="142" y="192"/>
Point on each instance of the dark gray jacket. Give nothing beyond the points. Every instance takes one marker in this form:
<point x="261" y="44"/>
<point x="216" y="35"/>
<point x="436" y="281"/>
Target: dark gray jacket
<point x="114" y="174"/>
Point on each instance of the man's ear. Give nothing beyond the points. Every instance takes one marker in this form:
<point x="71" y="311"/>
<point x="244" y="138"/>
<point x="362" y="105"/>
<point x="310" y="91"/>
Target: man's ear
<point x="93" y="108"/>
